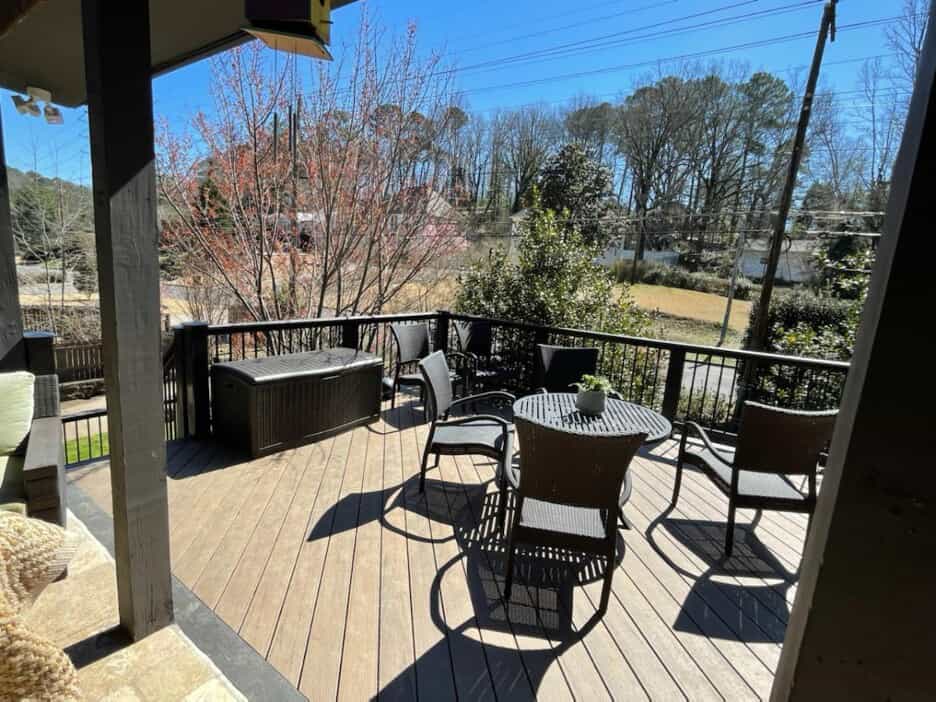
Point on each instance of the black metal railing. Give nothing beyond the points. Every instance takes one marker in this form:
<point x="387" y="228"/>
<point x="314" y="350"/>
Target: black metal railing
<point x="683" y="381"/>
<point x="85" y="436"/>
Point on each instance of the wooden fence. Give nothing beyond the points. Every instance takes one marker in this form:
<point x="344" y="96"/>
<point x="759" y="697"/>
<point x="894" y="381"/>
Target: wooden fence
<point x="75" y="362"/>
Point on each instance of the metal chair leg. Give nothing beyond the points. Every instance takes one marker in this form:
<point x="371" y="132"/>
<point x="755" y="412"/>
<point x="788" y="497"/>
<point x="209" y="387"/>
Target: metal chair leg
<point x="729" y="537"/>
<point x="422" y="471"/>
<point x="502" y="500"/>
<point x="678" y="483"/>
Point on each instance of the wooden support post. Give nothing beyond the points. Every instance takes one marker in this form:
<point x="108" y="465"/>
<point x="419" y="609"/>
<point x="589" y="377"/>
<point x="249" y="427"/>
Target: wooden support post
<point x="862" y="623"/>
<point x="673" y="386"/>
<point x="440" y="343"/>
<point x="40" y="352"/>
<point x="120" y="116"/>
<point x="350" y="335"/>
<point x="11" y="316"/>
<point x="181" y="383"/>
<point x="197" y="379"/>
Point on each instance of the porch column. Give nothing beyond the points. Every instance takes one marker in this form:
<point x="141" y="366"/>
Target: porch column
<point x="120" y="116"/>
<point x="862" y="627"/>
<point x="11" y="316"/>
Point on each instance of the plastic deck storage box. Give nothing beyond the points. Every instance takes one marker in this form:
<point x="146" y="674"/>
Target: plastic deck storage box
<point x="269" y="404"/>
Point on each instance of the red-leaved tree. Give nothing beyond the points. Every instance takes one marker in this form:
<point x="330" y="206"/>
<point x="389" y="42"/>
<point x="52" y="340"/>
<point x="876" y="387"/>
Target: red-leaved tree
<point x="303" y="196"/>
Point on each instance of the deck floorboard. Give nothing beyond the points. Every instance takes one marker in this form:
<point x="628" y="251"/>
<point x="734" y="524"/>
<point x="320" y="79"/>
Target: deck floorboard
<point x="329" y="561"/>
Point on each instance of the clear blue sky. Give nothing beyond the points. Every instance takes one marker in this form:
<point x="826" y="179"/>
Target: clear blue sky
<point x="631" y="36"/>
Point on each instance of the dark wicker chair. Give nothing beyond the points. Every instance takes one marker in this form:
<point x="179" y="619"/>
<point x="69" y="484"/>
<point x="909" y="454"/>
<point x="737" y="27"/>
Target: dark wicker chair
<point x="412" y="343"/>
<point x="568" y="488"/>
<point x="557" y="367"/>
<point x="773" y="446"/>
<point x="484" y="369"/>
<point x="477" y="434"/>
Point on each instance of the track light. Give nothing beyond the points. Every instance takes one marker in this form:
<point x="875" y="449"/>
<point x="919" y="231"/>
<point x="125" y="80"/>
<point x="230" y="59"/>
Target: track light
<point x="52" y="115"/>
<point x="30" y="105"/>
<point x="26" y="107"/>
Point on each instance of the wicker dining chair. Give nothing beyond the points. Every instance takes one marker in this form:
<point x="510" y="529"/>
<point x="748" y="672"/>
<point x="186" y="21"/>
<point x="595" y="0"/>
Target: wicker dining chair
<point x="412" y="345"/>
<point x="484" y="368"/>
<point x="774" y="446"/>
<point x="557" y="367"/>
<point x="567" y="489"/>
<point x="475" y="434"/>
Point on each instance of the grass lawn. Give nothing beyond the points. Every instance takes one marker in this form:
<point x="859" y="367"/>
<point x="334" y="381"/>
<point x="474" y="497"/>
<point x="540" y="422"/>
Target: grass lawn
<point x="83" y="448"/>
<point x="692" y="305"/>
<point x="691" y="331"/>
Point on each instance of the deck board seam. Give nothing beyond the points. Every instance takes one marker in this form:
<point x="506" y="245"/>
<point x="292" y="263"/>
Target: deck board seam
<point x="318" y="589"/>
<point x="266" y="505"/>
<point x="246" y="500"/>
<point x="769" y="606"/>
<point x="735" y="635"/>
<point x="292" y="570"/>
<point x="275" y="539"/>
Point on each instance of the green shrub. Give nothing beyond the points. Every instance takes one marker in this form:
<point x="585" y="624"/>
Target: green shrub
<point x="554" y="282"/>
<point x="654" y="273"/>
<point x="802" y="323"/>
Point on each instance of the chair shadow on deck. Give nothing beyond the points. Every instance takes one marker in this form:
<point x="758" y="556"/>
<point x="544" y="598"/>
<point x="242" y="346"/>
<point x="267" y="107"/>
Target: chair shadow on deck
<point x="751" y="585"/>
<point x="540" y="608"/>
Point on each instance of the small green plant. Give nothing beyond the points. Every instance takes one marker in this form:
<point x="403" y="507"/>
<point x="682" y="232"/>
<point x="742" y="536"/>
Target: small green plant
<point x="593" y="383"/>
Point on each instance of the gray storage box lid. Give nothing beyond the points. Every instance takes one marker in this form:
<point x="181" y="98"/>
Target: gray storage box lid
<point x="299" y="365"/>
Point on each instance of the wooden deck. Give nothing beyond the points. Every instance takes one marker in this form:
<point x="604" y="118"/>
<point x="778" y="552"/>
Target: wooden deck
<point x="328" y="561"/>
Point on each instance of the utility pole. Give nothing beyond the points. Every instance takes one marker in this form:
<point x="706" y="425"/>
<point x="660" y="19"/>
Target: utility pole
<point x="758" y="339"/>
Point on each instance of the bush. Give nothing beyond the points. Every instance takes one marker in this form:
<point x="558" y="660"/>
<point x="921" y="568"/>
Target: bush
<point x="653" y="273"/>
<point x="555" y="282"/>
<point x="805" y="324"/>
<point x="54" y="277"/>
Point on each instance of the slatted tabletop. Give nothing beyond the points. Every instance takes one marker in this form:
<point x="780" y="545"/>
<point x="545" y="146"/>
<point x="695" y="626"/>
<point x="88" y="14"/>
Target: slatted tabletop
<point x="557" y="410"/>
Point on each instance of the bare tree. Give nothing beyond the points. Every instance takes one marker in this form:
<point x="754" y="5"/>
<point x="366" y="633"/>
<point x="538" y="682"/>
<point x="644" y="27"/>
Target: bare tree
<point x="905" y="39"/>
<point x="334" y="210"/>
<point x="531" y="135"/>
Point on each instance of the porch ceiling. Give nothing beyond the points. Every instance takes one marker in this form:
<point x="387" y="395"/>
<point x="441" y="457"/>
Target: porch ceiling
<point x="45" y="48"/>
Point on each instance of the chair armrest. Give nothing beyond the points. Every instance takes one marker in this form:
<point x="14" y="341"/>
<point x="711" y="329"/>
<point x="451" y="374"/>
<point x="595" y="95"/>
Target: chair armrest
<point x="44" y="471"/>
<point x="481" y="396"/>
<point x="46" y="396"/>
<point x="505" y="425"/>
<point x="615" y="395"/>
<point x="705" y="440"/>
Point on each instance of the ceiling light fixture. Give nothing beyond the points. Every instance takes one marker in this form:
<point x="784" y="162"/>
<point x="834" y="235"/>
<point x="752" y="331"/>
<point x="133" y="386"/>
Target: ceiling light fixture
<point x="297" y="26"/>
<point x="31" y="105"/>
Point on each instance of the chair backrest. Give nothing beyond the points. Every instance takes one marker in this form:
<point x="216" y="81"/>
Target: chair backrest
<point x="557" y="367"/>
<point x="412" y="341"/>
<point x="474" y="337"/>
<point x="435" y="371"/>
<point x="773" y="440"/>
<point x="573" y="469"/>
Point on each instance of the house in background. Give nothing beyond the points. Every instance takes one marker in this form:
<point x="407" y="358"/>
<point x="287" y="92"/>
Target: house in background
<point x="796" y="260"/>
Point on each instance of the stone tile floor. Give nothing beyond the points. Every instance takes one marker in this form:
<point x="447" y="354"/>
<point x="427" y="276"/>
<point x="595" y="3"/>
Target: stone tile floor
<point x="80" y="612"/>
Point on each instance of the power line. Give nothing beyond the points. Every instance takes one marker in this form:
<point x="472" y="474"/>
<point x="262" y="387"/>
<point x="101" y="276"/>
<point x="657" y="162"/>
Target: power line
<point x="575" y="48"/>
<point x="566" y="27"/>
<point x="678" y="58"/>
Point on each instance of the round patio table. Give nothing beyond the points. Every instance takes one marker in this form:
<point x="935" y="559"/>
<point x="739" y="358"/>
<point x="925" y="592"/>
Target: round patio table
<point x="557" y="411"/>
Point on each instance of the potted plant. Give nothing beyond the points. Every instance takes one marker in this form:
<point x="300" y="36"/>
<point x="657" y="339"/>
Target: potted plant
<point x="592" y="393"/>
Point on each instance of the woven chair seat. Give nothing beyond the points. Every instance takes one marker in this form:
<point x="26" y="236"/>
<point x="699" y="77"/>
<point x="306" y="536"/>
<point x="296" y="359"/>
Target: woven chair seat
<point x="564" y="519"/>
<point x="481" y="433"/>
<point x="750" y="483"/>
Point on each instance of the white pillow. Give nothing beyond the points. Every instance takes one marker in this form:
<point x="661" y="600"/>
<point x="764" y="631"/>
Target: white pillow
<point x="16" y="409"/>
